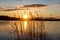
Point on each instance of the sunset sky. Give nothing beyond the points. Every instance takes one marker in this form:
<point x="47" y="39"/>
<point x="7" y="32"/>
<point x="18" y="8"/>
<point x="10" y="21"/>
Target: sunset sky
<point x="53" y="8"/>
<point x="10" y="3"/>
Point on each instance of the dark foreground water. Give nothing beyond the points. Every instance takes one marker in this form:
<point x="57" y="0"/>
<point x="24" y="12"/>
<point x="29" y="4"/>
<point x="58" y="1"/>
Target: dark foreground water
<point x="30" y="30"/>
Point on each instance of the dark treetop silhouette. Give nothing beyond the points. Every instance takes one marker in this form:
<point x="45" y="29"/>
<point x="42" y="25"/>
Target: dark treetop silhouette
<point x="32" y="19"/>
<point x="7" y="18"/>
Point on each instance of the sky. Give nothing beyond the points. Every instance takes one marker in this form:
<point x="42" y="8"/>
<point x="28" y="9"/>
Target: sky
<point x="52" y="9"/>
<point x="11" y="3"/>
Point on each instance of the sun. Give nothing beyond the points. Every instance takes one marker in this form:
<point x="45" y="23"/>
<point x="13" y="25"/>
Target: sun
<point x="25" y="16"/>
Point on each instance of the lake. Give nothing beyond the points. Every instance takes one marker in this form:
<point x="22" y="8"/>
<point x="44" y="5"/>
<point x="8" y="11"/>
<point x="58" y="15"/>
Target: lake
<point x="29" y="30"/>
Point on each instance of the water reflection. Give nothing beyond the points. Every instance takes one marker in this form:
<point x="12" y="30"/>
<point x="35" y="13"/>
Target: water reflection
<point x="29" y="29"/>
<point x="25" y="25"/>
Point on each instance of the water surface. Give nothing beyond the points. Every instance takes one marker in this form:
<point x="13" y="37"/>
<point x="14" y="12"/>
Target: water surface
<point x="30" y="30"/>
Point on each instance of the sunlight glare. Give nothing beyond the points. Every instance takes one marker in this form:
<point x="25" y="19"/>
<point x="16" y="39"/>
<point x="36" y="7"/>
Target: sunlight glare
<point x="25" y="25"/>
<point x="25" y="16"/>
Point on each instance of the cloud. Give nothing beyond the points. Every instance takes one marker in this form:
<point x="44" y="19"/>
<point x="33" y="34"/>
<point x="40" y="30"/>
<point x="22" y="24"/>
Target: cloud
<point x="52" y="9"/>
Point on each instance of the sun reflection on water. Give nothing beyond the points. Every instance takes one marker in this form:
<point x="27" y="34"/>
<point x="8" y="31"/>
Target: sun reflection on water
<point x="25" y="25"/>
